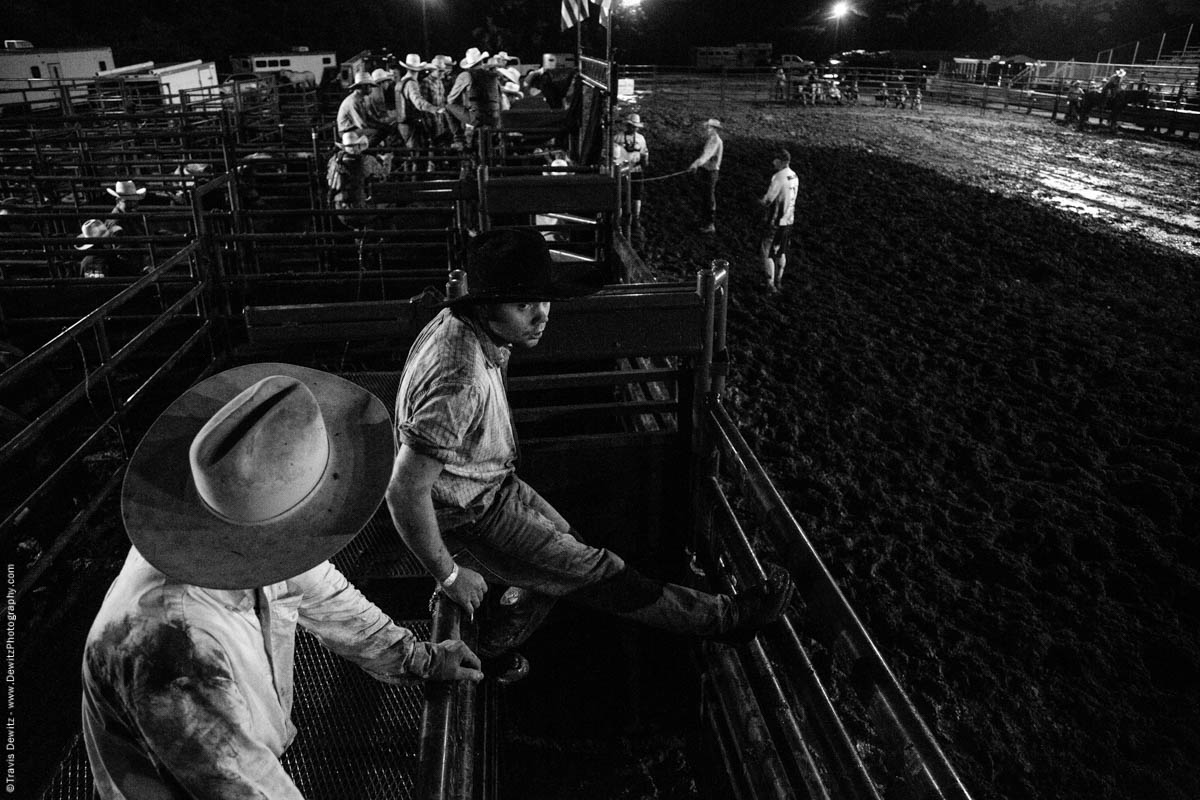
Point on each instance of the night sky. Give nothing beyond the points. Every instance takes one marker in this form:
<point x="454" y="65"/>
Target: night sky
<point x="650" y="31"/>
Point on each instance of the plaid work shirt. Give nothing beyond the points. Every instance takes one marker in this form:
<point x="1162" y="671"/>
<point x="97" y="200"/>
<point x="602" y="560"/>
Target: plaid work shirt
<point x="186" y="687"/>
<point x="452" y="406"/>
<point x="433" y="89"/>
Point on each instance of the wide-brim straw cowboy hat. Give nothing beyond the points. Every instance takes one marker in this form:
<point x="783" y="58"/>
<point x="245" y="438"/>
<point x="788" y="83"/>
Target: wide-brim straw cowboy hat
<point x="96" y="229"/>
<point x="713" y="123"/>
<point x="634" y="119"/>
<point x="473" y="56"/>
<point x="353" y="139"/>
<point x="380" y="75"/>
<point x="442" y="63"/>
<point x="362" y="79"/>
<point x="126" y="189"/>
<point x="256" y="475"/>
<point x="414" y="63"/>
<point x="513" y="265"/>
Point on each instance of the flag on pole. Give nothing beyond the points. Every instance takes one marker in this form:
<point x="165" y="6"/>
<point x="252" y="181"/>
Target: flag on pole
<point x="576" y="11"/>
<point x="573" y="12"/>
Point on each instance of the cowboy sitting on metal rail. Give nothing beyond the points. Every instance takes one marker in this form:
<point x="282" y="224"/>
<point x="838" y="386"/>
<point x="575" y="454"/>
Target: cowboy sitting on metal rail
<point x="480" y="530"/>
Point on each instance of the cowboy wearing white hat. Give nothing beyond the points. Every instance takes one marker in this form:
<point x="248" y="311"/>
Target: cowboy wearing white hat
<point x="362" y="79"/>
<point x="480" y="89"/>
<point x="360" y="112"/>
<point x="434" y="88"/>
<point x="126" y="214"/>
<point x="125" y="190"/>
<point x="349" y="174"/>
<point x="128" y="195"/>
<point x="457" y="103"/>
<point x="1113" y="84"/>
<point x="635" y="156"/>
<point x="383" y="95"/>
<point x="473" y="56"/>
<point x="414" y="63"/>
<point x="100" y="260"/>
<point x="410" y="105"/>
<point x="96" y="229"/>
<point x="353" y="142"/>
<point x="708" y="166"/>
<point x="510" y="86"/>
<point x="236" y="498"/>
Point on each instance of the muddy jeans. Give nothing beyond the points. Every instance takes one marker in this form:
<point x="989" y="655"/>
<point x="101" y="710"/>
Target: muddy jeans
<point x="522" y="541"/>
<point x="707" y="195"/>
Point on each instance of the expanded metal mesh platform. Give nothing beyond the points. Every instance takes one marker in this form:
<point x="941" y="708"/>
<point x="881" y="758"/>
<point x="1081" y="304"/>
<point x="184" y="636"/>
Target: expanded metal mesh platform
<point x="357" y="737"/>
<point x="379" y="552"/>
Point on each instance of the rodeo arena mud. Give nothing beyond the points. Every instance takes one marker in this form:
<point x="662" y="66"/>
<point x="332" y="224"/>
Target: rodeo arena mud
<point x="978" y="392"/>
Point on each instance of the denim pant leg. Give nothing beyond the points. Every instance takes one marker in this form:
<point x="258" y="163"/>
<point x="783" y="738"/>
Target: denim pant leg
<point x="707" y="195"/>
<point x="523" y="541"/>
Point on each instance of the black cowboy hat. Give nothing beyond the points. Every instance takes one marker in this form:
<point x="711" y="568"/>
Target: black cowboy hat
<point x="513" y="265"/>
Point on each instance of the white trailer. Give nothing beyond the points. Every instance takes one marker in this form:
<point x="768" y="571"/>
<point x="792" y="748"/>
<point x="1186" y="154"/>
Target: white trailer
<point x="166" y="82"/>
<point x="186" y="77"/>
<point x="296" y="60"/>
<point x="41" y="78"/>
<point x="36" y="63"/>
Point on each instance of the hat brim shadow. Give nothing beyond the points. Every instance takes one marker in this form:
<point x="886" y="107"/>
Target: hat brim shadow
<point x="571" y="283"/>
<point x="176" y="531"/>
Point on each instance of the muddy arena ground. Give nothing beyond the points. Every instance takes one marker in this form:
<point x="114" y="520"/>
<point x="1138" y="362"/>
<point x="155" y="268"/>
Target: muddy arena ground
<point x="979" y="391"/>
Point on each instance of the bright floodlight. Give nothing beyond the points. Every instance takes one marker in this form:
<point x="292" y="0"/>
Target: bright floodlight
<point x="841" y="9"/>
<point x="631" y="3"/>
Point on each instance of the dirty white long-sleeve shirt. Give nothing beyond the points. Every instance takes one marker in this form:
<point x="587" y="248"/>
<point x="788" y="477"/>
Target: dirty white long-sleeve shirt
<point x="714" y="149"/>
<point x="191" y="687"/>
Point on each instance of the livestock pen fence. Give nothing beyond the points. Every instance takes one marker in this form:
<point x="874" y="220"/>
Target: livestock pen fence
<point x="94" y="360"/>
<point x="261" y="108"/>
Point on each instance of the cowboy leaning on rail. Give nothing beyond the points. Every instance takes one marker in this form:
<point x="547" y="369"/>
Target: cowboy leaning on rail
<point x="235" y="500"/>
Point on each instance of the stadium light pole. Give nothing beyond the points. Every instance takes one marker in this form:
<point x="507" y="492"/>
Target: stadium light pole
<point x="838" y="11"/>
<point x="425" y="27"/>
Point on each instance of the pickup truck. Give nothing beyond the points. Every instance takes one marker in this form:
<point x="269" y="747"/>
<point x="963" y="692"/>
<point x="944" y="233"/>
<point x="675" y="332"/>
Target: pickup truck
<point x="794" y="62"/>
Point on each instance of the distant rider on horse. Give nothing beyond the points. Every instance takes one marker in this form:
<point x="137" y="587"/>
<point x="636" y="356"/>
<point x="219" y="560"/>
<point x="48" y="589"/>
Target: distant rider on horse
<point x="1113" y="85"/>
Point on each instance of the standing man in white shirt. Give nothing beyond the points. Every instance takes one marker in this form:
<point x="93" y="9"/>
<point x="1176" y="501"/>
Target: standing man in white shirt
<point x="708" y="166"/>
<point x="636" y="155"/>
<point x="780" y="201"/>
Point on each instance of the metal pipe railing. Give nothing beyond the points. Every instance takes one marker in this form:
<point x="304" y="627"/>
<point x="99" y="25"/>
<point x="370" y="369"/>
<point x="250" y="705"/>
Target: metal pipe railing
<point x="792" y="539"/>
<point x="754" y="749"/>
<point x="446" y="753"/>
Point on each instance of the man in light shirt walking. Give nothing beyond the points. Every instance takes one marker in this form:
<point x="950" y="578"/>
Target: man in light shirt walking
<point x="780" y="202"/>
<point x="708" y="167"/>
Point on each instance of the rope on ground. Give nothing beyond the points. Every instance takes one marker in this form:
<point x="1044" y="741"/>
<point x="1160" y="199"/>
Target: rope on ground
<point x="660" y="177"/>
